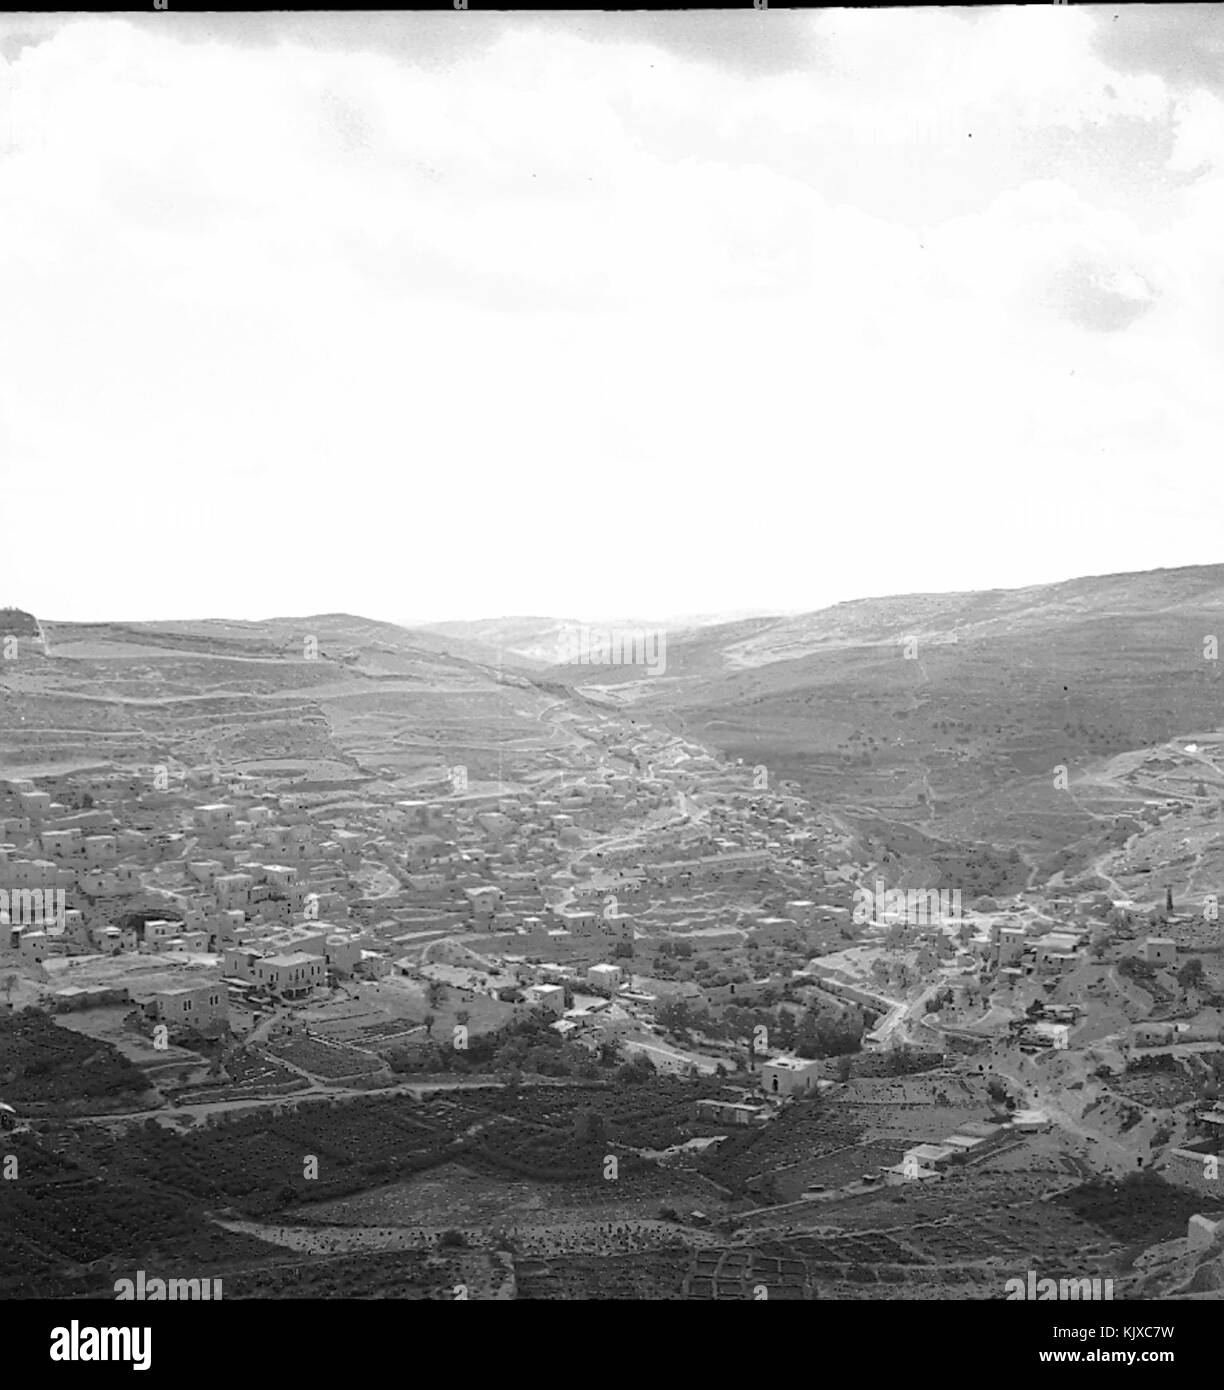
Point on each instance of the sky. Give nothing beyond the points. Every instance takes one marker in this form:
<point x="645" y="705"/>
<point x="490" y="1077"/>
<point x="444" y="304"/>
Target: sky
<point x="445" y="316"/>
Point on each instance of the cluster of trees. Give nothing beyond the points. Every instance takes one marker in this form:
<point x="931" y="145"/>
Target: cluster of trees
<point x="17" y="622"/>
<point x="1133" y="968"/>
<point x="894" y="975"/>
<point x="821" y="1030"/>
<point x="998" y="1092"/>
<point x="1142" y="1066"/>
<point x="533" y="1053"/>
<point x="1190" y="976"/>
<point x="43" y="1062"/>
<point x="668" y="958"/>
<point x="829" y="1032"/>
<point x="906" y="1061"/>
<point x="522" y="1045"/>
<point x="670" y="966"/>
<point x="638" y="1070"/>
<point x="675" y="947"/>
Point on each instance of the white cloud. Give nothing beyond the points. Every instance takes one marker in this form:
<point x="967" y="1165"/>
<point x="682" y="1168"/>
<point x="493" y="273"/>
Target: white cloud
<point x="590" y="326"/>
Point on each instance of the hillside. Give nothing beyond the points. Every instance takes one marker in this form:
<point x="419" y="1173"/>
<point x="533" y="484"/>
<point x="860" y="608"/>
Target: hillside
<point x="943" y="718"/>
<point x="935" y="724"/>
<point x="527" y="642"/>
<point x="335" y="696"/>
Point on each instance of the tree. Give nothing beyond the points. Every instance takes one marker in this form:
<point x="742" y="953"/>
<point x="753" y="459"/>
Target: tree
<point x="807" y="1035"/>
<point x="784" y="1029"/>
<point x="462" y="1015"/>
<point x="435" y="993"/>
<point x="740" y="1021"/>
<point x="512" y="1054"/>
<point x="674" y="1015"/>
<point x="430" y="1020"/>
<point x="1190" y="976"/>
<point x="640" y="1068"/>
<point x="1133" y="968"/>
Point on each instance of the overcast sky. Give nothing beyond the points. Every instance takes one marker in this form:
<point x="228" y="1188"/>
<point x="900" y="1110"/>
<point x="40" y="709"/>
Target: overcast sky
<point x="467" y="315"/>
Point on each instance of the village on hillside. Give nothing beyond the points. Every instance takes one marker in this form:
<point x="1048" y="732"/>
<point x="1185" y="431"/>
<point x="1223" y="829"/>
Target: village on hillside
<point x="651" y="959"/>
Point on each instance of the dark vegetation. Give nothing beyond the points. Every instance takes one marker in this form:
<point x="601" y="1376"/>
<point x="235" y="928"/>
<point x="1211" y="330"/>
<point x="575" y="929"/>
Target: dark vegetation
<point x="130" y="1199"/>
<point x="45" y="1065"/>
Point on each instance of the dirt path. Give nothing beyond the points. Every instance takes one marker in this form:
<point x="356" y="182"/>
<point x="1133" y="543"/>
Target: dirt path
<point x="416" y="1089"/>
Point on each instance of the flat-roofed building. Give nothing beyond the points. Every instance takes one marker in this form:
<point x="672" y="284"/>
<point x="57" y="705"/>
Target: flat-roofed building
<point x="550" y="997"/>
<point x="966" y="1143"/>
<point x="789" y="1076"/>
<point x="1011" y="944"/>
<point x="190" y="1006"/>
<point x="292" y="975"/>
<point x="723" y="1112"/>
<point x="1160" y="950"/>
